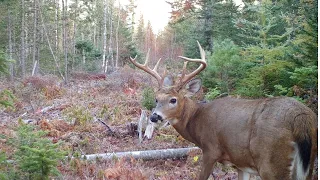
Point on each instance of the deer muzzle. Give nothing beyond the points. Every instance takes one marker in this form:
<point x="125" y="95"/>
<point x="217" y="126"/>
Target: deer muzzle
<point x="155" y="118"/>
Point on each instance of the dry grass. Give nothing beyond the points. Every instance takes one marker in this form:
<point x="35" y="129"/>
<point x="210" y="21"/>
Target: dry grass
<point x="71" y="116"/>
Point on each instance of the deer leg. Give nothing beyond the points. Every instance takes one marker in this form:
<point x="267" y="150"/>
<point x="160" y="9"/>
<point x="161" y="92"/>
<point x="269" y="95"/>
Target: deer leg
<point x="208" y="161"/>
<point x="243" y="175"/>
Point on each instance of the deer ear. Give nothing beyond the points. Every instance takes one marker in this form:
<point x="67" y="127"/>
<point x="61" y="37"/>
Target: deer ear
<point x="193" y="87"/>
<point x="168" y="81"/>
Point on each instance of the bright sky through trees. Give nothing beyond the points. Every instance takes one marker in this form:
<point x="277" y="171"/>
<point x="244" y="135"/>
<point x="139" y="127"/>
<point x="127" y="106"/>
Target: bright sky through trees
<point x="155" y="11"/>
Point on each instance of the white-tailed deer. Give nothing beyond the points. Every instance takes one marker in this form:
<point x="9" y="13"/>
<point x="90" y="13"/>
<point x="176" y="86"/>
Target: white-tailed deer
<point x="275" y="138"/>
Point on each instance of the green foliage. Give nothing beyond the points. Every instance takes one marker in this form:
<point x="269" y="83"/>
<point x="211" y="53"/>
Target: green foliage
<point x="263" y="23"/>
<point x="3" y="158"/>
<point x="217" y="18"/>
<point x="306" y="77"/>
<point x="280" y="90"/>
<point x="7" y="170"/>
<point x="212" y="93"/>
<point x="273" y="46"/>
<point x="252" y="85"/>
<point x="79" y="115"/>
<point x="82" y="45"/>
<point x="147" y="100"/>
<point x="225" y="67"/>
<point x="187" y="33"/>
<point x="305" y="44"/>
<point x="3" y="62"/>
<point x="261" y="80"/>
<point x="104" y="112"/>
<point x="36" y="156"/>
<point x="88" y="53"/>
<point x="6" y="98"/>
<point x="3" y="166"/>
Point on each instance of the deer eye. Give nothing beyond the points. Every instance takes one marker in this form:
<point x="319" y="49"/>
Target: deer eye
<point x="156" y="100"/>
<point x="173" y="100"/>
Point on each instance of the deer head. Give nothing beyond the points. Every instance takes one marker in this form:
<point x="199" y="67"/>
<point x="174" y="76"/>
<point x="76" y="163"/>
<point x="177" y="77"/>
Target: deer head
<point x="170" y="98"/>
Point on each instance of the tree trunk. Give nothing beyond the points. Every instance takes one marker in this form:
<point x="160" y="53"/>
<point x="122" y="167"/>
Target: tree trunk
<point x="104" y="62"/>
<point x="117" y="36"/>
<point x="11" y="65"/>
<point x="110" y="55"/>
<point x="64" y="5"/>
<point x="22" y="41"/>
<point x="35" y="39"/>
<point x="49" y="44"/>
<point x="145" y="155"/>
<point x="83" y="58"/>
<point x="95" y="27"/>
<point x="74" y="34"/>
<point x="56" y="33"/>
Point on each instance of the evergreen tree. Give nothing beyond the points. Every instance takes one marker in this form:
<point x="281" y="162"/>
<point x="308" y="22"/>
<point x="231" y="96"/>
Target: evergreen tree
<point x="218" y="19"/>
<point x="225" y="67"/>
<point x="37" y="157"/>
<point x="266" y="50"/>
<point x="140" y="35"/>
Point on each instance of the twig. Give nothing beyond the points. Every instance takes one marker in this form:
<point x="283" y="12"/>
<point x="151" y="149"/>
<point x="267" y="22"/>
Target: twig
<point x="108" y="128"/>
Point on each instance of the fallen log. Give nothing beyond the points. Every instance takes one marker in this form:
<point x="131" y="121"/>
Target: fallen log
<point x="145" y="155"/>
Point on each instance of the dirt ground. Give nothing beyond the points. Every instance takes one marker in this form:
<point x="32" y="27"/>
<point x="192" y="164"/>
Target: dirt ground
<point x="74" y="114"/>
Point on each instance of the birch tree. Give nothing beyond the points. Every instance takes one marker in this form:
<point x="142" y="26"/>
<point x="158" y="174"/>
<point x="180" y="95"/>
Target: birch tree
<point x="56" y="19"/>
<point x="35" y="52"/>
<point x="64" y="5"/>
<point x="22" y="40"/>
<point x="117" y="36"/>
<point x="104" y="60"/>
<point x="74" y="33"/>
<point x="110" y="54"/>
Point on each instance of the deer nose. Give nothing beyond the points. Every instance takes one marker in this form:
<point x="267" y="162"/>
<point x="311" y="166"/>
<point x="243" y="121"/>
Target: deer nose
<point x="155" y="117"/>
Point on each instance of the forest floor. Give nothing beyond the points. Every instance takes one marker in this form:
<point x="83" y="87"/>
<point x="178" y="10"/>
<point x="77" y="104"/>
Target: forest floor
<point x="73" y="113"/>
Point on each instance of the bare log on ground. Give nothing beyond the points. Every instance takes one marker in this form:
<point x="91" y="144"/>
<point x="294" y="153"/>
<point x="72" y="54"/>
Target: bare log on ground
<point x="145" y="155"/>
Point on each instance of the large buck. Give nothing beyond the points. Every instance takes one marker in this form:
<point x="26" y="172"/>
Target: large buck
<point x="275" y="138"/>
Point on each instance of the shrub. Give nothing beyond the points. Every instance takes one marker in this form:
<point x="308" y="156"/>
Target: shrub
<point x="6" y="98"/>
<point x="36" y="157"/>
<point x="148" y="96"/>
<point x="5" y="168"/>
<point x="280" y="90"/>
<point x="80" y="116"/>
<point x="212" y="93"/>
<point x="225" y="67"/>
<point x="306" y="77"/>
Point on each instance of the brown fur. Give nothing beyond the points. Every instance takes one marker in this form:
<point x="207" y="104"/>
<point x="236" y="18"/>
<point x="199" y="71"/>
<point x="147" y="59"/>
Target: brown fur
<point x="256" y="134"/>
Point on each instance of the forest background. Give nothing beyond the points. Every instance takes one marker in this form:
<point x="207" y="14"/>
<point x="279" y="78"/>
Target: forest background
<point x="72" y="57"/>
<point x="265" y="48"/>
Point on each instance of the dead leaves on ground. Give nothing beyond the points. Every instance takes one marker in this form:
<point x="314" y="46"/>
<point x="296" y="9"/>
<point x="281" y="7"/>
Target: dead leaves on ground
<point x="124" y="171"/>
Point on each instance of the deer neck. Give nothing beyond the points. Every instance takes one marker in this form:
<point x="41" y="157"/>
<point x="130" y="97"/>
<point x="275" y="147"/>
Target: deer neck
<point x="189" y="110"/>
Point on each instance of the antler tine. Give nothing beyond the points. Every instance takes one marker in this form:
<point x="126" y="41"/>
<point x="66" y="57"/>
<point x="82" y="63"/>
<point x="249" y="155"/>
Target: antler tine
<point x="184" y="69"/>
<point x="147" y="58"/>
<point x="153" y="72"/>
<point x="203" y="65"/>
<point x="157" y="65"/>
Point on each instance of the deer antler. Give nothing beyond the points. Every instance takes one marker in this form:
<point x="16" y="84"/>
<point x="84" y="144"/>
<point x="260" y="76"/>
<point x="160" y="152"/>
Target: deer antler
<point x="145" y="67"/>
<point x="185" y="78"/>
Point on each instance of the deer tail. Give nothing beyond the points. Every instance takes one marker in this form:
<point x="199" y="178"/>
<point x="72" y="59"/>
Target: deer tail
<point x="305" y="146"/>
